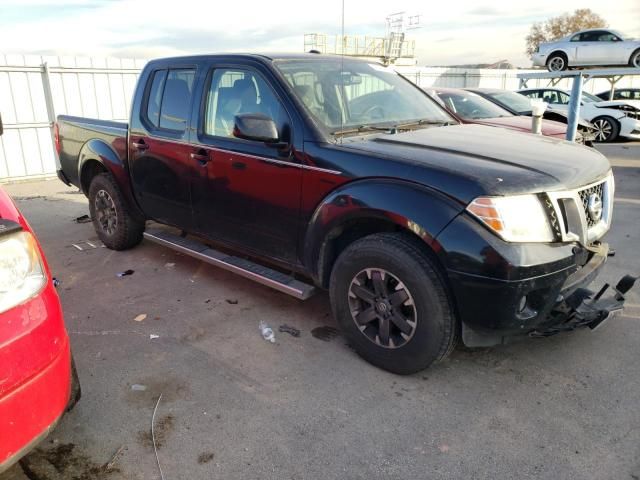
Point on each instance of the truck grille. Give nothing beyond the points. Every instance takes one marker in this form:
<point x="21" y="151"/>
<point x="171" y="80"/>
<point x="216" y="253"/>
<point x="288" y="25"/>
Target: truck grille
<point x="569" y="215"/>
<point x="584" y="197"/>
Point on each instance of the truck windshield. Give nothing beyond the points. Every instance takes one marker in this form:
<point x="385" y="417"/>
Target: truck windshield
<point x="359" y="97"/>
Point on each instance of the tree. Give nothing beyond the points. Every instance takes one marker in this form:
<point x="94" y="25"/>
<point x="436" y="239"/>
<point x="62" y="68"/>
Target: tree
<point x="561" y="26"/>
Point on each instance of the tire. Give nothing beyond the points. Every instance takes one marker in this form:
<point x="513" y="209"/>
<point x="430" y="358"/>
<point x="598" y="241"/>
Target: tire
<point x="116" y="226"/>
<point x="395" y="261"/>
<point x="634" y="60"/>
<point x="557" y="62"/>
<point x="76" y="390"/>
<point x="606" y="129"/>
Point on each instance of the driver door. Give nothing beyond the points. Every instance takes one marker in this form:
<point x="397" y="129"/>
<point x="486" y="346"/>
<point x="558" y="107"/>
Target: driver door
<point x="248" y="192"/>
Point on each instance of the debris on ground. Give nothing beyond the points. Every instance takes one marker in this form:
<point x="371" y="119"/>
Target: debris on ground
<point x="267" y="332"/>
<point x="112" y="463"/>
<point x="85" y="245"/>
<point x="126" y="273"/>
<point x="153" y="336"/>
<point x="207" y="300"/>
<point x="169" y="265"/>
<point x="153" y="436"/>
<point x="138" y="387"/>
<point x="325" y="333"/>
<point x="290" y="330"/>
<point x="83" y="219"/>
<point x="56" y="282"/>
<point x="232" y="301"/>
<point x="140" y="318"/>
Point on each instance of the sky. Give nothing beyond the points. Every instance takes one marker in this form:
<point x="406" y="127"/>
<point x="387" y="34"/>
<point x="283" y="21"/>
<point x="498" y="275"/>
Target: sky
<point x="452" y="32"/>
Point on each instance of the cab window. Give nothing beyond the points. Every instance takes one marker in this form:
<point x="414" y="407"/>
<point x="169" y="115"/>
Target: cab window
<point x="234" y="92"/>
<point x="168" y="101"/>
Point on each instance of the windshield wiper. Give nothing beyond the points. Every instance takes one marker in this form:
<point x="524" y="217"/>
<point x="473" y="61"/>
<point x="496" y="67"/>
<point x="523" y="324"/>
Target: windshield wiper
<point x="418" y="123"/>
<point x="363" y="128"/>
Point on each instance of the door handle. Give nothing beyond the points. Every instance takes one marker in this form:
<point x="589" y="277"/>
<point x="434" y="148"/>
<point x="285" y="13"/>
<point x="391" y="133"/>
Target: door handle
<point x="201" y="156"/>
<point x="140" y="145"/>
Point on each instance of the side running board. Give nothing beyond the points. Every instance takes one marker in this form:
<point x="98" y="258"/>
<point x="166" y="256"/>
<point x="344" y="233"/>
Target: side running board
<point x="245" y="268"/>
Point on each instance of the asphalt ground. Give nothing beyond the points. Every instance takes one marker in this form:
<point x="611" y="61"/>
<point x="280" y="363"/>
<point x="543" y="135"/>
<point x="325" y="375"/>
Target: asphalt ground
<point x="236" y="407"/>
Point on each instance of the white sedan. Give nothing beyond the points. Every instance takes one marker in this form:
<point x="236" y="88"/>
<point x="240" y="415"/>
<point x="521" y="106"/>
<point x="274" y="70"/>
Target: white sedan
<point x="588" y="48"/>
<point x="609" y="118"/>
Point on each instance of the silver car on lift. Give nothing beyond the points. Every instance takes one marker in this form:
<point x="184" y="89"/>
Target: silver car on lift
<point x="591" y="47"/>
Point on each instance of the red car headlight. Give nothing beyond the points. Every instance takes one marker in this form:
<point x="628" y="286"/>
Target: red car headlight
<point x="22" y="274"/>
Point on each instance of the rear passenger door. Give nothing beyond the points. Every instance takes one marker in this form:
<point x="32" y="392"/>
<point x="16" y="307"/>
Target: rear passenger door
<point x="159" y="154"/>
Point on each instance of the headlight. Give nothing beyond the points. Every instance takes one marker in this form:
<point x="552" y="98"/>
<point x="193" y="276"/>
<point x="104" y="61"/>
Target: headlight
<point x="21" y="272"/>
<point x="520" y="218"/>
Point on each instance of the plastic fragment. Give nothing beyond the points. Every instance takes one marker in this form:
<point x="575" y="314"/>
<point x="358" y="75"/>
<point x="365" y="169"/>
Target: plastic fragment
<point x="126" y="273"/>
<point x="169" y="265"/>
<point x="83" y="219"/>
<point x="231" y="301"/>
<point x="140" y="317"/>
<point x="267" y="332"/>
<point x="153" y="335"/>
<point x="137" y="387"/>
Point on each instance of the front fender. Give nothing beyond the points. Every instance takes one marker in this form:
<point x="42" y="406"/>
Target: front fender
<point x="410" y="206"/>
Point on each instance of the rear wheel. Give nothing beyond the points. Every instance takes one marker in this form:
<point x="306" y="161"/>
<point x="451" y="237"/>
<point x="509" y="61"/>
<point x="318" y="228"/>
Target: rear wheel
<point x="634" y="61"/>
<point x="557" y="62"/>
<point x="115" y="225"/>
<point x="606" y="129"/>
<point x="392" y="304"/>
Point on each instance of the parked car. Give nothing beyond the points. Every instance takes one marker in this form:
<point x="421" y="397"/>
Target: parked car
<point x="621" y="94"/>
<point x="469" y="107"/>
<point x="610" y="119"/>
<point x="38" y="381"/>
<point x="306" y="171"/>
<point x="519" y="104"/>
<point x="592" y="47"/>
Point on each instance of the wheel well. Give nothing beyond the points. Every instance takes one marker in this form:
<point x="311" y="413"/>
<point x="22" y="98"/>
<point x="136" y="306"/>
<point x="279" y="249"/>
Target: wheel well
<point x="637" y="50"/>
<point x="557" y="52"/>
<point x="90" y="169"/>
<point x="344" y="235"/>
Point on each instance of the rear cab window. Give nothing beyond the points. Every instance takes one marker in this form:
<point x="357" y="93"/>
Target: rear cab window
<point x="168" y="101"/>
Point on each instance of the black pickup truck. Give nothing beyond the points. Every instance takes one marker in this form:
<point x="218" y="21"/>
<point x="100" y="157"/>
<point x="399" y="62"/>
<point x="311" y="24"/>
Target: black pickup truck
<point x="305" y="171"/>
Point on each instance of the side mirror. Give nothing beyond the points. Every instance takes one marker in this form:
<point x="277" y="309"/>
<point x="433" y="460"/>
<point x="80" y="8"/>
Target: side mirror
<point x="255" y="126"/>
<point x="1" y="127"/>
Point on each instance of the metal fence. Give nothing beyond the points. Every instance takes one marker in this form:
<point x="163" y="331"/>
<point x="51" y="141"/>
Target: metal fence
<point x="34" y="89"/>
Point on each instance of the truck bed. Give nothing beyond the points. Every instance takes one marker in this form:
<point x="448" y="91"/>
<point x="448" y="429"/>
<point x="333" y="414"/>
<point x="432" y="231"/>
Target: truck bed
<point x="75" y="132"/>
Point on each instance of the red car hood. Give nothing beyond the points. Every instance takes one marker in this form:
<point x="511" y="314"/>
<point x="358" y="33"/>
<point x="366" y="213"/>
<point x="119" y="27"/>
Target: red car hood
<point x="523" y="124"/>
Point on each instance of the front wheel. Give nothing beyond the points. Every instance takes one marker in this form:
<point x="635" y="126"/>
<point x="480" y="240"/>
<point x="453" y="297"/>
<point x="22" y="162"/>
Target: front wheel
<point x="606" y="129"/>
<point x="392" y="304"/>
<point x="557" y="62"/>
<point x="116" y="226"/>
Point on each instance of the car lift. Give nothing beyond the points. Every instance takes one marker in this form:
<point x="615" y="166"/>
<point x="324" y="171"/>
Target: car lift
<point x="613" y="75"/>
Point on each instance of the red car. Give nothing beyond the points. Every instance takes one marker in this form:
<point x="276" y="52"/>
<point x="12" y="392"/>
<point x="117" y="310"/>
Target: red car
<point x="469" y="107"/>
<point x="38" y="382"/>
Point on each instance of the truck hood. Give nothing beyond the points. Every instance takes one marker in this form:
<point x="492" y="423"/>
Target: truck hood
<point x="465" y="161"/>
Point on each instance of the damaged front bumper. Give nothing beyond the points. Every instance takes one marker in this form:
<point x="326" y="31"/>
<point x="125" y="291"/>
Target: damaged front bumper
<point x="557" y="302"/>
<point x="585" y="308"/>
